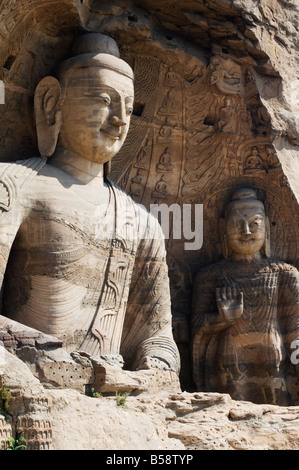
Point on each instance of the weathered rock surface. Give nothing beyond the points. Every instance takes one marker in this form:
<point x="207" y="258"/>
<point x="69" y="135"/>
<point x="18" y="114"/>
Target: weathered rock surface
<point x="27" y="411"/>
<point x="81" y="422"/>
<point x="68" y="420"/>
<point x="184" y="421"/>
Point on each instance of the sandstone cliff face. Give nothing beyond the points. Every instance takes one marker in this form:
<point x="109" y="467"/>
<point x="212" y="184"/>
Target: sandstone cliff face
<point x="264" y="33"/>
<point x="274" y="24"/>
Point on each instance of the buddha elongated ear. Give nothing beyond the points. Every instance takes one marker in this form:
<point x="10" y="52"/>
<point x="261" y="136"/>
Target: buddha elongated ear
<point x="267" y="245"/>
<point x="47" y="115"/>
<point x="225" y="248"/>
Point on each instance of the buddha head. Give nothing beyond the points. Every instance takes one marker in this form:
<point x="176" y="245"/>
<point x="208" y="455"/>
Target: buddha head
<point x="87" y="109"/>
<point x="245" y="229"/>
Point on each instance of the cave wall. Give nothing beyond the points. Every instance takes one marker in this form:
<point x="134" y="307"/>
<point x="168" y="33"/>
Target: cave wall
<point x="215" y="85"/>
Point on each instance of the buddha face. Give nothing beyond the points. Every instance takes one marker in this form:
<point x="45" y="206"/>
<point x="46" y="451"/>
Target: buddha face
<point x="96" y="111"/>
<point x="245" y="228"/>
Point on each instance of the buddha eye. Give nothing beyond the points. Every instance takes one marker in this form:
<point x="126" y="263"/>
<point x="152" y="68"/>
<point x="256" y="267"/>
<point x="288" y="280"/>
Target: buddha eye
<point x="129" y="105"/>
<point x="256" y="222"/>
<point x="105" y="99"/>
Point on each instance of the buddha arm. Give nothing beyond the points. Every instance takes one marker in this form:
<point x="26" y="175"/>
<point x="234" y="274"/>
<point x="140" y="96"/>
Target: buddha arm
<point x="147" y="338"/>
<point x="13" y="180"/>
<point x="288" y="309"/>
<point x="9" y="225"/>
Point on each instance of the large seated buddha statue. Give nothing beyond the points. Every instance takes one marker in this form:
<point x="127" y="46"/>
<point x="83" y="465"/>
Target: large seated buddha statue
<point x="79" y="259"/>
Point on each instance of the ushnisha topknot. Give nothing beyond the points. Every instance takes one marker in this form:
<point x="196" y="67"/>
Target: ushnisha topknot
<point x="95" y="50"/>
<point x="243" y="195"/>
<point x="94" y="43"/>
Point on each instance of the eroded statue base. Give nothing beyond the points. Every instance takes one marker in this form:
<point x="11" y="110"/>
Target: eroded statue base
<point x="54" y="367"/>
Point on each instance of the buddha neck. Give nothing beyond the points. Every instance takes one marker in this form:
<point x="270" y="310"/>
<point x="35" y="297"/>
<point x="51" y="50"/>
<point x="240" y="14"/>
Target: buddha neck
<point x="246" y="257"/>
<point x="87" y="172"/>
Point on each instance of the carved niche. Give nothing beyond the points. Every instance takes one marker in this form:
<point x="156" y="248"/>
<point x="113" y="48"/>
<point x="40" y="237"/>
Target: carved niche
<point x="246" y="311"/>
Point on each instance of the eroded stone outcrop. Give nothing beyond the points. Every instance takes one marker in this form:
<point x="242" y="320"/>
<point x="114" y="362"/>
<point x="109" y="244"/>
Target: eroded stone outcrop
<point x="68" y="420"/>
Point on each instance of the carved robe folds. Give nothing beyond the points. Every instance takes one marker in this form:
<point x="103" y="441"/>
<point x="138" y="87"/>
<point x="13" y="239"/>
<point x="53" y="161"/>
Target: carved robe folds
<point x="251" y="358"/>
<point x="94" y="275"/>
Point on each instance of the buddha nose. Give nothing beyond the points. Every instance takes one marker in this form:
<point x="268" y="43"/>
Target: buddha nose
<point x="116" y="121"/>
<point x="246" y="228"/>
<point x="117" y="117"/>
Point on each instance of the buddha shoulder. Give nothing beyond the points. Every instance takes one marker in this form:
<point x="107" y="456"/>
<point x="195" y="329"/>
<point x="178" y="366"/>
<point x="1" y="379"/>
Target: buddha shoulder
<point x="14" y="176"/>
<point x="285" y="269"/>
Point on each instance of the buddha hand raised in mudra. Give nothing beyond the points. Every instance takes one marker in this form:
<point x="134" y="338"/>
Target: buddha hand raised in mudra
<point x="230" y="303"/>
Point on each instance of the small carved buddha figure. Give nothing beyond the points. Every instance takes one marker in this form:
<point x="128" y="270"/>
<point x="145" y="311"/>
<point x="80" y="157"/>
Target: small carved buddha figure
<point x="166" y="131"/>
<point x="227" y="118"/>
<point x="246" y="313"/>
<point x="164" y="164"/>
<point x="80" y="260"/>
<point x="272" y="158"/>
<point x="8" y="141"/>
<point x="254" y="161"/>
<point x="160" y="190"/>
<point x="169" y="104"/>
<point x="135" y="188"/>
<point x="170" y="78"/>
<point x="249" y="77"/>
<point x="143" y="156"/>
